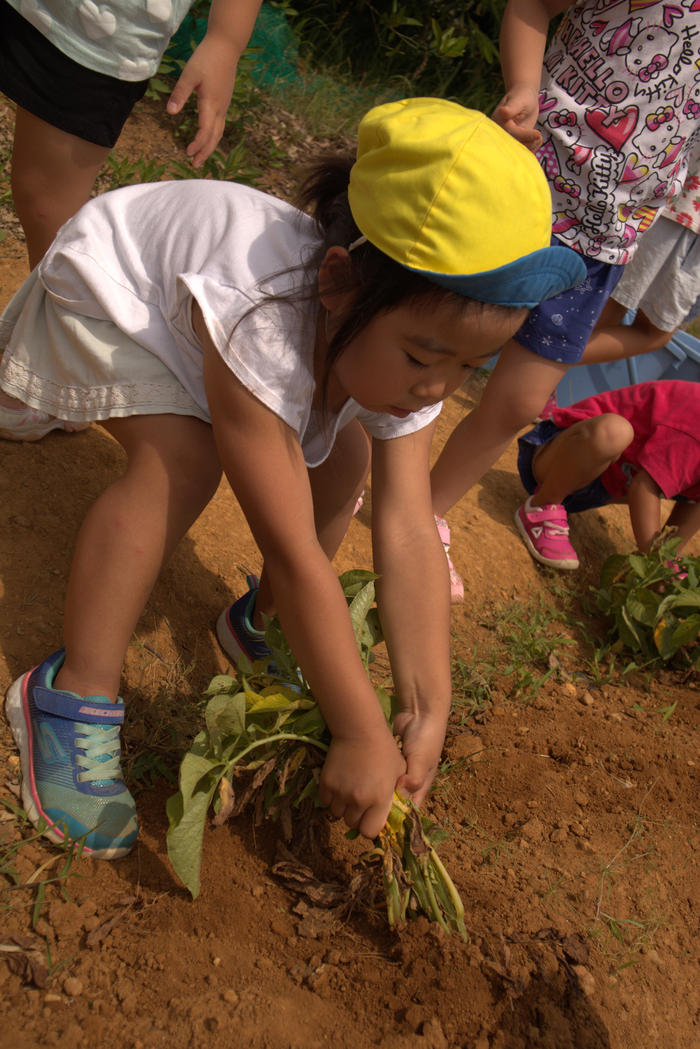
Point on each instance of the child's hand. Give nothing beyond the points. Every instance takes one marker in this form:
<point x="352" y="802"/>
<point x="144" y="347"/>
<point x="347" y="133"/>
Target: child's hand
<point x="358" y="780"/>
<point x="211" y="74"/>
<point x="423" y="735"/>
<point x="517" y="114"/>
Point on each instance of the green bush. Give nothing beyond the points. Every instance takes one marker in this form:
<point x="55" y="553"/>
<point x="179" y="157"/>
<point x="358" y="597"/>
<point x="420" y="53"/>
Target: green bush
<point x="652" y="602"/>
<point x="437" y="48"/>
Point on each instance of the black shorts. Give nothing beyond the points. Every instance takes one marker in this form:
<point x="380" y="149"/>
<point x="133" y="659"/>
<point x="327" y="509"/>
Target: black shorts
<point x="45" y="82"/>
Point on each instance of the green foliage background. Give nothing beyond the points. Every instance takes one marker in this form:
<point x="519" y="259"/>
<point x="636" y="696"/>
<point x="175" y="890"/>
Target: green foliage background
<point x="436" y="47"/>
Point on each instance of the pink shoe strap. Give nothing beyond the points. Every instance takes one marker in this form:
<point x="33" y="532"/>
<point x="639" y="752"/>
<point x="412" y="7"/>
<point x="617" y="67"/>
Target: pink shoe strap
<point x="443" y="530"/>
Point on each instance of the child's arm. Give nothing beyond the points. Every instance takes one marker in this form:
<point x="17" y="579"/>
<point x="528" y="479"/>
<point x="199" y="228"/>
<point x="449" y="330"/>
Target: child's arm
<point x="211" y="72"/>
<point x="413" y="599"/>
<point x="522" y="44"/>
<point x="644" y="503"/>
<point x="264" y="464"/>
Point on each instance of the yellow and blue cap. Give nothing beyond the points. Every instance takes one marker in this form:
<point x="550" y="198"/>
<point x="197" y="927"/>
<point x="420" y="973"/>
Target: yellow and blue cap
<point x="447" y="193"/>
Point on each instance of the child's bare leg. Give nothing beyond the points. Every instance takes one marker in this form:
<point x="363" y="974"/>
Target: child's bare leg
<point x="686" y="518"/>
<point x="514" y="395"/>
<point x="126" y="537"/>
<point x="577" y="456"/>
<point x="53" y="173"/>
<point x="335" y="486"/>
<point x="611" y="314"/>
<point x="613" y="341"/>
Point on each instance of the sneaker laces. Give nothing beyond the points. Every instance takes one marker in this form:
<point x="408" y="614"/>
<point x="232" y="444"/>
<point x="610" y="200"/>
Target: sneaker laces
<point x="100" y="758"/>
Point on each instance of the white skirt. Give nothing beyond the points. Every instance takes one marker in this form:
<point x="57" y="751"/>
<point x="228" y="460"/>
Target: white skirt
<point x="81" y="369"/>
<point x="663" y="278"/>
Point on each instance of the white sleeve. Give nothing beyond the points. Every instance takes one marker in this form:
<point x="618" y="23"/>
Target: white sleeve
<point x="385" y="427"/>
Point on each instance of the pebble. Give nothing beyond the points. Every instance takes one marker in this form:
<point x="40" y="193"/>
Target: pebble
<point x="585" y="980"/>
<point x="587" y="699"/>
<point x="433" y="1034"/>
<point x="468" y="745"/>
<point x="73" y="987"/>
<point x="533" y="829"/>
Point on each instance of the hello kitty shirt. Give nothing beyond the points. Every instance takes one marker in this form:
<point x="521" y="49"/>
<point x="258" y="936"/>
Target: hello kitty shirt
<point x="619" y="106"/>
<point x="685" y="208"/>
<point x="124" y="39"/>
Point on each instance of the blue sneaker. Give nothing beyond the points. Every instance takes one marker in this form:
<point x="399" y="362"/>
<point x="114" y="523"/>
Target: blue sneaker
<point x="235" y="631"/>
<point x="69" y="754"/>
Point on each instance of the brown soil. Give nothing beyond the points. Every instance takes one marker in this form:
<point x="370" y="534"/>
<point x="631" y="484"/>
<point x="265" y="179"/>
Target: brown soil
<point x="573" y="815"/>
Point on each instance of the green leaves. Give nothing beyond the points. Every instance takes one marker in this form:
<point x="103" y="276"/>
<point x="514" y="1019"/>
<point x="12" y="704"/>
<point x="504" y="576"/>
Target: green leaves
<point x="187" y="810"/>
<point x="653" y="603"/>
<point x="415" y="879"/>
<point x="262" y="746"/>
<point x="254" y="726"/>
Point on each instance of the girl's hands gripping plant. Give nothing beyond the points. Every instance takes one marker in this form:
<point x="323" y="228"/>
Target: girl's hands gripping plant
<point x="263" y="745"/>
<point x="653" y="603"/>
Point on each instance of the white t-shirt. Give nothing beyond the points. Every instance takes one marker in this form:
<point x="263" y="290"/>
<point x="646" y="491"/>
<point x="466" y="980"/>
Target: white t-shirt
<point x="138" y="256"/>
<point x="123" y="38"/>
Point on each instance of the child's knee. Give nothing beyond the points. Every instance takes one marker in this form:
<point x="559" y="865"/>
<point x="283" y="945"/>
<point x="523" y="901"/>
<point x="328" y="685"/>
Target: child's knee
<point x="196" y="477"/>
<point x="611" y="433"/>
<point x="654" y="338"/>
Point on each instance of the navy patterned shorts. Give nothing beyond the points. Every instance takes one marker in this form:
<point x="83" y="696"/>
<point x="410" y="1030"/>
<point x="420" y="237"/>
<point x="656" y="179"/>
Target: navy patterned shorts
<point x="559" y="328"/>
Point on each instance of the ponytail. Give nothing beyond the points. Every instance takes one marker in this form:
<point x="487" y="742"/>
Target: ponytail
<point x="324" y="195"/>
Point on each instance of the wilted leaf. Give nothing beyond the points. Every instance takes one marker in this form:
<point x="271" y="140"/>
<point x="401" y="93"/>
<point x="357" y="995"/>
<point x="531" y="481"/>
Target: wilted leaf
<point x="227" y="799"/>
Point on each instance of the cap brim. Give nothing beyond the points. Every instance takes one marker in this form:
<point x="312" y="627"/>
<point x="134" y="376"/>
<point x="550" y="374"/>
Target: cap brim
<point x="526" y="282"/>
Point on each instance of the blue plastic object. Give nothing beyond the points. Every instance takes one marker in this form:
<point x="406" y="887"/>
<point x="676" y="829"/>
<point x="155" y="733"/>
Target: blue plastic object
<point x="678" y="359"/>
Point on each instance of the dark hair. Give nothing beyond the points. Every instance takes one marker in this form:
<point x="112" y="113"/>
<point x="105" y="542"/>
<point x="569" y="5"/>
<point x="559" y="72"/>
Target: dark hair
<point x="378" y="282"/>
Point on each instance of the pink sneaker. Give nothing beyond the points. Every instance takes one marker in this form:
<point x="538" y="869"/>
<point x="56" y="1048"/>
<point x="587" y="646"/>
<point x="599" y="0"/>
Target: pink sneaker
<point x="456" y="584"/>
<point x="545" y="530"/>
<point x="29" y="424"/>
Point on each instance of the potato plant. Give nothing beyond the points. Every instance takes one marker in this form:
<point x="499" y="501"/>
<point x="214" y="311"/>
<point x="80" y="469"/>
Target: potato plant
<point x="263" y="746"/>
<point x="652" y="603"/>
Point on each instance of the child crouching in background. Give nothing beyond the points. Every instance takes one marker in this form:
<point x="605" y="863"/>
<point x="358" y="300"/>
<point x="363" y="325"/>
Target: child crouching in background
<point x="636" y="445"/>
